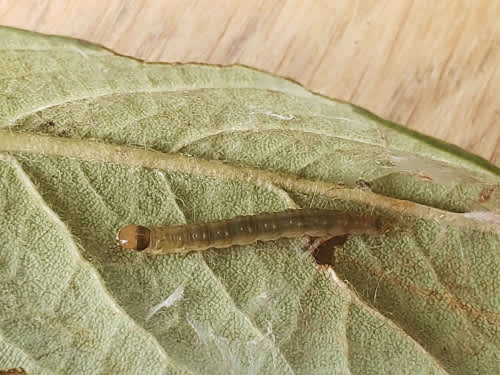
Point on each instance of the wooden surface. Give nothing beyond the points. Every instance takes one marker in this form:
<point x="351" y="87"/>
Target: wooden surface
<point x="430" y="65"/>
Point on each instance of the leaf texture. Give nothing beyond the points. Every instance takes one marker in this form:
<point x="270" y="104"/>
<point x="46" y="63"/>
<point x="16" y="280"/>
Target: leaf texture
<point x="91" y="141"/>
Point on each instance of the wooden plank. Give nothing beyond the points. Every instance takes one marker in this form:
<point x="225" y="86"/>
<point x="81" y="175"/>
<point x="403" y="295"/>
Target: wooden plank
<point x="431" y="65"/>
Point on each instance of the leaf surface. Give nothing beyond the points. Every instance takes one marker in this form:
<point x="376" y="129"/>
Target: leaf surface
<point x="91" y="141"/>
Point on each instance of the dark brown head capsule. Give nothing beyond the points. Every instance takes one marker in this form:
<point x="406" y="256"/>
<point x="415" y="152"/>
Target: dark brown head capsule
<point x="135" y="237"/>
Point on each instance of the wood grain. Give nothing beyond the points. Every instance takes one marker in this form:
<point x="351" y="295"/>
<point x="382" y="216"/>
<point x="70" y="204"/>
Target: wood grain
<point x="430" y="65"/>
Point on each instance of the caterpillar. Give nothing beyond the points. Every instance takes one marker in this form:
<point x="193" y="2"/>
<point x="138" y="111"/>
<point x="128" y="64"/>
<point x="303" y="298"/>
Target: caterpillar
<point x="245" y="230"/>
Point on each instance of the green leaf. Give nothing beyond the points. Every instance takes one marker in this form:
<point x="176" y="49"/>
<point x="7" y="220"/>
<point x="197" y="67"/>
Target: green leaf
<point x="91" y="141"/>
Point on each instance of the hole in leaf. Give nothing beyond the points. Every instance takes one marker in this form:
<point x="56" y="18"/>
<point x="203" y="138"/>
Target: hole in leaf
<point x="324" y="254"/>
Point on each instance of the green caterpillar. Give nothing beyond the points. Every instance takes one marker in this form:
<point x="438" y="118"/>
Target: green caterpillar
<point x="244" y="230"/>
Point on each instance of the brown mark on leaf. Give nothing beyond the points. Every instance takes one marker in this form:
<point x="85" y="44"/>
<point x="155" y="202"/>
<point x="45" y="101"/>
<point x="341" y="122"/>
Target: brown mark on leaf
<point x="13" y="371"/>
<point x="485" y="194"/>
<point x="362" y="184"/>
<point x="65" y="132"/>
<point x="47" y="125"/>
<point x="424" y="177"/>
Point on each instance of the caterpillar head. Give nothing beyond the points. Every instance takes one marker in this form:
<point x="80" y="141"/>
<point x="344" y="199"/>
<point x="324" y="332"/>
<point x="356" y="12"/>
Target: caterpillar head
<point x="135" y="237"/>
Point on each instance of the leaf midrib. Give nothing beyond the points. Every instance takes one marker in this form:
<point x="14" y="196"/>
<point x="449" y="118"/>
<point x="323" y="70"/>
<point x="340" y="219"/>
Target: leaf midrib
<point x="89" y="150"/>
